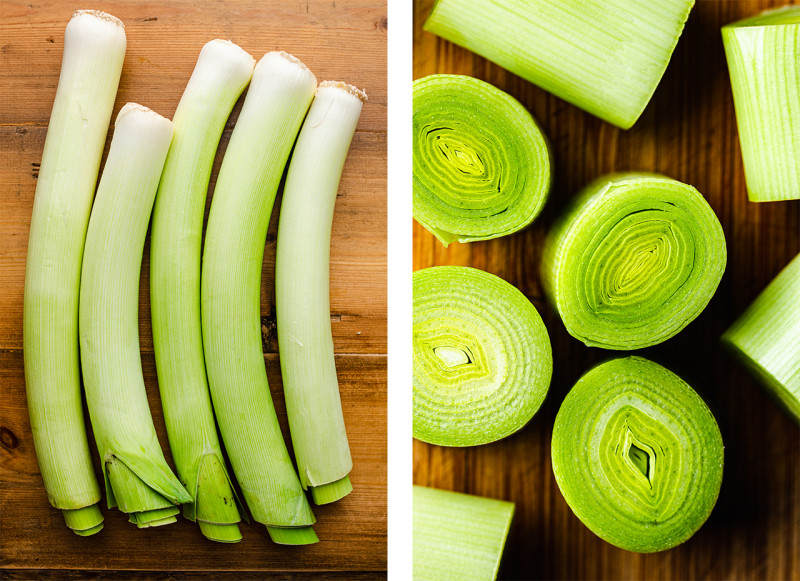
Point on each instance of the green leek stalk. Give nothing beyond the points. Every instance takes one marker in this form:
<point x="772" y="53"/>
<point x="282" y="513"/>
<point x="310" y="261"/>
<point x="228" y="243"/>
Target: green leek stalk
<point x="482" y="361"/>
<point x="136" y="474"/>
<point x="766" y="338"/>
<point x="458" y="537"/>
<point x="637" y="455"/>
<point x="605" y="56"/>
<point x="302" y="272"/>
<point x="280" y="93"/>
<point x="222" y="72"/>
<point x="635" y="259"/>
<point x="482" y="166"/>
<point x="762" y="60"/>
<point x="94" y="48"/>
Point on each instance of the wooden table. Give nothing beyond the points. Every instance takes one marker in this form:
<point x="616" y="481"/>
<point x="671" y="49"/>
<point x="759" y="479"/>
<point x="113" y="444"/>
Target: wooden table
<point x="687" y="132"/>
<point x="339" y="41"/>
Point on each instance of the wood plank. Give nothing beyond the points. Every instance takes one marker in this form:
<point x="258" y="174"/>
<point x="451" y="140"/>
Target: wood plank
<point x="352" y="531"/>
<point x="62" y="575"/>
<point x="687" y="132"/>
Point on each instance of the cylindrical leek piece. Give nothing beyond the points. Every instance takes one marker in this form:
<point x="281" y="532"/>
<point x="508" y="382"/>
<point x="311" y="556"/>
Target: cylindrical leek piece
<point x="765" y="77"/>
<point x="458" y="537"/>
<point x="635" y="259"/>
<point x="280" y="93"/>
<point x="605" y="56"/>
<point x="637" y="455"/>
<point x="766" y="338"/>
<point x="94" y="48"/>
<point x="222" y="72"/>
<point x="137" y="476"/>
<point x="482" y="358"/>
<point x="482" y="166"/>
<point x="302" y="271"/>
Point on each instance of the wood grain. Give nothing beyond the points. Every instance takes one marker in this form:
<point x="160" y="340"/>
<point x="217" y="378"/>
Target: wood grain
<point x="339" y="41"/>
<point x="687" y="132"/>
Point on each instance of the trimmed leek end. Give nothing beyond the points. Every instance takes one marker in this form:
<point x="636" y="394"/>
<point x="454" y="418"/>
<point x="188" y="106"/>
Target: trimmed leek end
<point x="332" y="491"/>
<point x="762" y="61"/>
<point x="458" y="537"/>
<point x="221" y="533"/>
<point x="605" y="56"/>
<point x="154" y="518"/>
<point x="84" y="521"/>
<point x="215" y="506"/>
<point x="293" y="535"/>
<point x="766" y="338"/>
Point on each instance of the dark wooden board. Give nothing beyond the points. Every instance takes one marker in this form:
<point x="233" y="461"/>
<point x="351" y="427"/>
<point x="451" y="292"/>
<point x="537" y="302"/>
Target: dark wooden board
<point x="687" y="132"/>
<point x="339" y="41"/>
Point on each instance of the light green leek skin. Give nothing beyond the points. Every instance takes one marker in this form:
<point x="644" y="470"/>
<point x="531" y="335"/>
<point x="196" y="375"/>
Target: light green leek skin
<point x="482" y="166"/>
<point x="482" y="357"/>
<point x="137" y="476"/>
<point x="605" y="56"/>
<point x="633" y="260"/>
<point x="766" y="338"/>
<point x="94" y="48"/>
<point x="762" y="61"/>
<point x="637" y="455"/>
<point x="222" y="72"/>
<point x="280" y="93"/>
<point x="458" y="537"/>
<point x="302" y="299"/>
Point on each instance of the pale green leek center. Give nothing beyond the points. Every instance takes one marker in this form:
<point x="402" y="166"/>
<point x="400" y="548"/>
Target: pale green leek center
<point x="452" y="356"/>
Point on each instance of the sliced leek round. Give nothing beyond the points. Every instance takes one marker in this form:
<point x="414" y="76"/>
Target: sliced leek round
<point x="482" y="358"/>
<point x="637" y="455"/>
<point x="482" y="165"/>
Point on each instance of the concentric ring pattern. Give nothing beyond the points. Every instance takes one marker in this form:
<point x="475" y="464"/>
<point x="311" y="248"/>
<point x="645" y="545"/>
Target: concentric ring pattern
<point x="634" y="260"/>
<point x="482" y="358"/>
<point x="482" y="166"/>
<point x="637" y="455"/>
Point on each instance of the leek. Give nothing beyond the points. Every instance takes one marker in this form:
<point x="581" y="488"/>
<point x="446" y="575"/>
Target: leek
<point x="482" y="361"/>
<point x="94" y="48"/>
<point x="280" y="93"/>
<point x="762" y="60"/>
<point x="637" y="455"/>
<point x="458" y="537"/>
<point x="766" y="338"/>
<point x="605" y="56"/>
<point x="302" y="268"/>
<point x="136" y="474"/>
<point x="482" y="166"/>
<point x="221" y="74"/>
<point x="635" y="259"/>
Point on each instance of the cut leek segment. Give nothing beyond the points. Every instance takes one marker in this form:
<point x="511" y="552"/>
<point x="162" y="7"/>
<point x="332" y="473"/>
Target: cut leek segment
<point x="635" y="259"/>
<point x="222" y="72"/>
<point x="279" y="96"/>
<point x="605" y="56"/>
<point x="137" y="476"/>
<point x="765" y="77"/>
<point x="458" y="537"/>
<point x="637" y="455"/>
<point x="482" y="166"/>
<point x="482" y="358"/>
<point x="302" y="273"/>
<point x="94" y="48"/>
<point x="766" y="338"/>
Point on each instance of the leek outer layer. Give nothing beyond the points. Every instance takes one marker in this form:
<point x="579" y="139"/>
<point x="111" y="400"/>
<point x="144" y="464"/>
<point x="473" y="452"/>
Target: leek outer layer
<point x="635" y="259"/>
<point x="136" y="474"/>
<point x="637" y="455"/>
<point x="302" y="299"/>
<point x="765" y="77"/>
<point x="458" y="537"/>
<point x="605" y="56"/>
<point x="766" y="338"/>
<point x="94" y="48"/>
<point x="280" y="93"/>
<point x="482" y="166"/>
<point x="482" y="358"/>
<point x="222" y="72"/>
